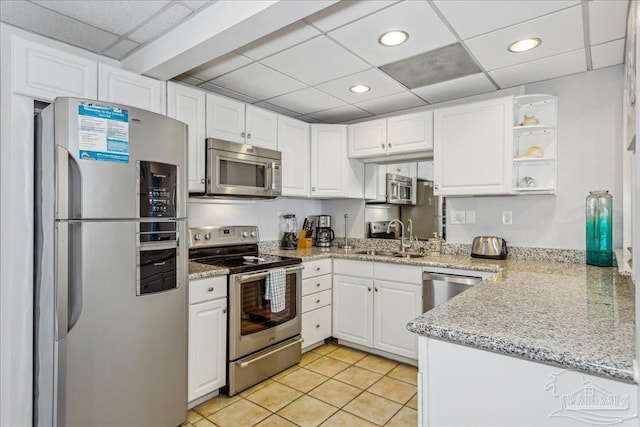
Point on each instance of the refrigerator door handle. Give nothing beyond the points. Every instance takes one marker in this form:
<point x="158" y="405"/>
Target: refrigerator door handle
<point x="62" y="281"/>
<point x="68" y="186"/>
<point x="69" y="277"/>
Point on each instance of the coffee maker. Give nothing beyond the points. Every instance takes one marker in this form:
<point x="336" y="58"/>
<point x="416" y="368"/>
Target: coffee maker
<point x="289" y="238"/>
<point x="324" y="233"/>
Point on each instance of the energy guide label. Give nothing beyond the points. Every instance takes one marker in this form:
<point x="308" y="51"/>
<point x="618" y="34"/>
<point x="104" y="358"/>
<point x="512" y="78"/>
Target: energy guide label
<point x="103" y="133"/>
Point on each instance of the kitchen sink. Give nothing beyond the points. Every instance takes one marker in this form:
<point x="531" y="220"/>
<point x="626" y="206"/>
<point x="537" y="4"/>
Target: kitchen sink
<point x="376" y="252"/>
<point x="408" y="255"/>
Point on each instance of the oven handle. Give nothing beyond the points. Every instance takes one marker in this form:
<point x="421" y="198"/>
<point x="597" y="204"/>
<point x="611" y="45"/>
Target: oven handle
<point x="246" y="363"/>
<point x="251" y="277"/>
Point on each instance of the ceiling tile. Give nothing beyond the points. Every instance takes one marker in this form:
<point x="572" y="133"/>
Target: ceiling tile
<point x="259" y="81"/>
<point x="542" y="69"/>
<point x="277" y="109"/>
<point x="197" y="4"/>
<point x="306" y="101"/>
<point x="457" y="88"/>
<point x="560" y="32"/>
<point x="316" y="61"/>
<point x="161" y="23"/>
<point x="426" y="32"/>
<point x="435" y="66"/>
<point x="226" y="92"/>
<point x="344" y="12"/>
<point x="188" y="80"/>
<point x="309" y="119"/>
<point x="219" y="66"/>
<point x="117" y="16"/>
<point x="121" y="49"/>
<point x="340" y="114"/>
<point x="607" y="20"/>
<point x="40" y="20"/>
<point x="380" y="85"/>
<point x="387" y="104"/>
<point x="472" y="18"/>
<point x="607" y="54"/>
<point x="279" y="40"/>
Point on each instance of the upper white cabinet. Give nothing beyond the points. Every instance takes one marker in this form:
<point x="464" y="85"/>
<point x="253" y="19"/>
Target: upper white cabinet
<point x="238" y="122"/>
<point x="294" y="143"/>
<point x="45" y="73"/>
<point x="409" y="133"/>
<point x="333" y="174"/>
<point x="375" y="182"/>
<point x="123" y="87"/>
<point x="534" y="144"/>
<point x="188" y="105"/>
<point x="473" y="148"/>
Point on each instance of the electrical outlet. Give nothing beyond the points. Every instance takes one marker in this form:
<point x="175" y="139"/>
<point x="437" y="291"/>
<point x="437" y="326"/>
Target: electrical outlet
<point x="470" y="217"/>
<point x="507" y="217"/>
<point x="457" y="218"/>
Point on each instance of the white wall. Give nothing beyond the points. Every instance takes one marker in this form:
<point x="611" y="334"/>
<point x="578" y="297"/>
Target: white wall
<point x="338" y="208"/>
<point x="589" y="143"/>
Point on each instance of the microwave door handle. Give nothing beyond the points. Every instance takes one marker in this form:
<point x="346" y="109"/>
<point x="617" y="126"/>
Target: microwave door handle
<point x="268" y="176"/>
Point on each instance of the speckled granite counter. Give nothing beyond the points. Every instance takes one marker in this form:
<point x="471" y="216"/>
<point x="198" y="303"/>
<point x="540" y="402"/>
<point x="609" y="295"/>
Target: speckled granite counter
<point x="567" y="315"/>
<point x="201" y="271"/>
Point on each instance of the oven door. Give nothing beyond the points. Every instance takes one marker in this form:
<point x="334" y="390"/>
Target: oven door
<point x="253" y="325"/>
<point x="238" y="174"/>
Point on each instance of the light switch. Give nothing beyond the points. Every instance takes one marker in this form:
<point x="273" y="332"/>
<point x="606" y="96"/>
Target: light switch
<point x="507" y="217"/>
<point x="470" y="217"/>
<point x="457" y="218"/>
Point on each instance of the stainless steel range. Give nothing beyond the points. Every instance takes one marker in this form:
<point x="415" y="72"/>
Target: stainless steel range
<point x="264" y="303"/>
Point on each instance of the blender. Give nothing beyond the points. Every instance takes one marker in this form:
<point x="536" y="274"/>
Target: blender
<point x="289" y="238"/>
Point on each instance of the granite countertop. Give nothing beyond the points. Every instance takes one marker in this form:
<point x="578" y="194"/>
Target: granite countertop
<point x="201" y="271"/>
<point x="567" y="315"/>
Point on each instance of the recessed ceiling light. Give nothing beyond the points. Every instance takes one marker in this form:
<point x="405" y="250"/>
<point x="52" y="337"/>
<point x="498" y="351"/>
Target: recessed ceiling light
<point x="359" y="88"/>
<point x="393" y="38"/>
<point x="524" y="45"/>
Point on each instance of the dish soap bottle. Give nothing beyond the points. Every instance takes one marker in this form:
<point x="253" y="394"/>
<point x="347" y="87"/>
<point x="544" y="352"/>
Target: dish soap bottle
<point x="435" y="244"/>
<point x="599" y="214"/>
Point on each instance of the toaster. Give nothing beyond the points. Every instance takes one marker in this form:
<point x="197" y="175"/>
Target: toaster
<point x="490" y="247"/>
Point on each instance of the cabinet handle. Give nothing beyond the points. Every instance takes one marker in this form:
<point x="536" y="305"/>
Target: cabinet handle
<point x="202" y="181"/>
<point x="382" y="145"/>
<point x="313" y="188"/>
<point x="369" y="288"/>
<point x="317" y="268"/>
<point x="224" y="311"/>
<point x="317" y="326"/>
<point x="242" y="134"/>
<point x="436" y="186"/>
<point x="210" y="289"/>
<point x="376" y="289"/>
<point x="389" y="145"/>
<point x="317" y="285"/>
<point x="317" y="301"/>
<point x="248" y="136"/>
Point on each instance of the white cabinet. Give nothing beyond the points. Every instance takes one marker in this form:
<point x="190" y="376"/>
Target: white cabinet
<point x="294" y="143"/>
<point x="124" y="87"/>
<point x="373" y="302"/>
<point x="534" y="144"/>
<point x="405" y="169"/>
<point x="316" y="302"/>
<point x="409" y="133"/>
<point x="375" y="182"/>
<point x="333" y="174"/>
<point x="473" y="146"/>
<point x="45" y="73"/>
<point x="188" y="105"/>
<point x="238" y="122"/>
<point x="207" y="336"/>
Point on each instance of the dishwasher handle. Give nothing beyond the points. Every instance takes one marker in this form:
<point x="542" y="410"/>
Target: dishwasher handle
<point x="451" y="278"/>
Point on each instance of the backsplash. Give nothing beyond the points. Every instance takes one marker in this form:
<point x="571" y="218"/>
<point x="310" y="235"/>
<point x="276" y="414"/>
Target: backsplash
<point x="515" y="252"/>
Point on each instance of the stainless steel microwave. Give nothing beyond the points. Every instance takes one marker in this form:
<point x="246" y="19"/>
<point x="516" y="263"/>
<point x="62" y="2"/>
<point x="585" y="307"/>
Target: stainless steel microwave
<point x="400" y="190"/>
<point x="242" y="170"/>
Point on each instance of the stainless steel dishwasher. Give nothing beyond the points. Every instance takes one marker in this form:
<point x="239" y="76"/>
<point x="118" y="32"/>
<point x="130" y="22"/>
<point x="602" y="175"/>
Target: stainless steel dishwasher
<point x="438" y="288"/>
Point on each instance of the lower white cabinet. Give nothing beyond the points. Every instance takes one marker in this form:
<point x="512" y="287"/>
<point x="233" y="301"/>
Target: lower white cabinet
<point x="207" y="335"/>
<point x="316" y="302"/>
<point x="373" y="302"/>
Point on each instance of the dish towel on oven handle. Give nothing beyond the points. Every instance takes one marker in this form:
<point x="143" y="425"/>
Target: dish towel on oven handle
<point x="275" y="289"/>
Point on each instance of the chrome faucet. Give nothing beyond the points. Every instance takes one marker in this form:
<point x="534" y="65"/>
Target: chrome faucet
<point x="403" y="245"/>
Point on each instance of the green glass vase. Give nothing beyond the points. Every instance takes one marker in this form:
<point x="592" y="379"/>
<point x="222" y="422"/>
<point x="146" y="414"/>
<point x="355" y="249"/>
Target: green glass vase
<point x="599" y="216"/>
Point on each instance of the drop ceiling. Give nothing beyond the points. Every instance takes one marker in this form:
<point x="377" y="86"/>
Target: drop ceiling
<point x="305" y="69"/>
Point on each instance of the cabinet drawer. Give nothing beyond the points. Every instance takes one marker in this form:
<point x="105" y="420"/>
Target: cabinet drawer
<point x="316" y="268"/>
<point x="317" y="300"/>
<point x="316" y="284"/>
<point x="207" y="289"/>
<point x="316" y="326"/>
<point x="353" y="268"/>
<point x="398" y="272"/>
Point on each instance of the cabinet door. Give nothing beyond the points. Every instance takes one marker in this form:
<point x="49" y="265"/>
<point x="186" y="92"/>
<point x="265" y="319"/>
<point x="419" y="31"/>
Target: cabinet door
<point x="207" y="347"/>
<point x="225" y="119"/>
<point x="45" y="73"/>
<point x="316" y="326"/>
<point x="293" y="142"/>
<point x="124" y="87"/>
<point x="188" y="105"/>
<point x="375" y="182"/>
<point x="261" y="127"/>
<point x="473" y="145"/>
<point x="353" y="309"/>
<point x="404" y="169"/>
<point x="395" y="304"/>
<point x="410" y="133"/>
<point x="328" y="160"/>
<point x="368" y="139"/>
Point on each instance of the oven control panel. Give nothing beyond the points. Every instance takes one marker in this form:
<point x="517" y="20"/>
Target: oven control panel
<point x="211" y="236"/>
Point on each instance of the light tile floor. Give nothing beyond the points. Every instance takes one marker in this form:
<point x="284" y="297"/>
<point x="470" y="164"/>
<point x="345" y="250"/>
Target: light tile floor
<point x="332" y="385"/>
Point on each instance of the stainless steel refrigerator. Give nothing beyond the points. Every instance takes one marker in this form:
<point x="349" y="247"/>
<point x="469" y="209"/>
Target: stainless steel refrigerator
<point x="111" y="252"/>
<point x="427" y="214"/>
